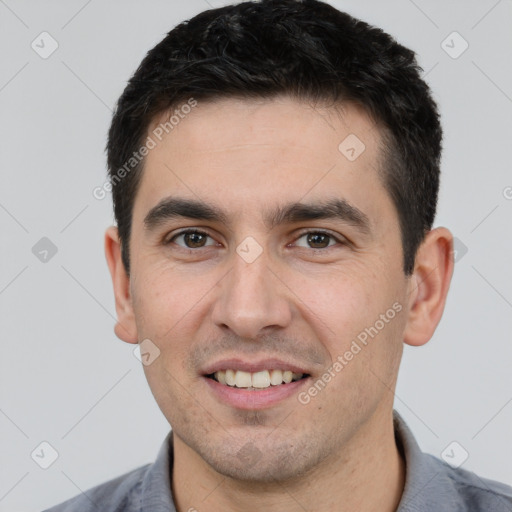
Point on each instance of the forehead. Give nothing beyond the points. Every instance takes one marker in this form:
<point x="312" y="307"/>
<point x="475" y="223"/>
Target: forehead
<point x="279" y="121"/>
<point x="245" y="152"/>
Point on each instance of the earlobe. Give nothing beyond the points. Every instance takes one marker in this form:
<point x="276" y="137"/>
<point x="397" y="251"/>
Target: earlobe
<point x="125" y="327"/>
<point x="429" y="286"/>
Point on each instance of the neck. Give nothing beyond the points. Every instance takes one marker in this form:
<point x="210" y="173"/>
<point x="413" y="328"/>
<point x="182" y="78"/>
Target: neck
<point x="367" y="476"/>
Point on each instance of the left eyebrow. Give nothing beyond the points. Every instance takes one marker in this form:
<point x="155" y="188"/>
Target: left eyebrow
<point x="336" y="209"/>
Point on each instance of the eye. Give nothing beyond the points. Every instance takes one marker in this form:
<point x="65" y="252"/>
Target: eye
<point x="191" y="239"/>
<point x="318" y="240"/>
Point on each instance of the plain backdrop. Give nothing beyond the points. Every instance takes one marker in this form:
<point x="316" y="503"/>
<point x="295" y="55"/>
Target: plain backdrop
<point x="68" y="381"/>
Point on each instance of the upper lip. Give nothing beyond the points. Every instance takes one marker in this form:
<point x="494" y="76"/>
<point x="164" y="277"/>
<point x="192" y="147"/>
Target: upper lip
<point x="253" y="366"/>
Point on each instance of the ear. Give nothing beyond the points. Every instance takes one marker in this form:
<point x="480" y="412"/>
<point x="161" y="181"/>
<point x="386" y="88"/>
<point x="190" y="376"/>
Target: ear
<point x="125" y="328"/>
<point x="429" y="286"/>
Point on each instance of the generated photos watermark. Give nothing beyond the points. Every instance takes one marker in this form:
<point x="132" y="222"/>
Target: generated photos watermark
<point x="355" y="348"/>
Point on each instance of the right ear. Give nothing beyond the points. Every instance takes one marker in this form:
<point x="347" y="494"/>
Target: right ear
<point x="125" y="328"/>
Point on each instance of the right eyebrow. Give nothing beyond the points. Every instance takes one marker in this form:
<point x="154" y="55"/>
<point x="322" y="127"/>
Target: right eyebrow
<point x="173" y="207"/>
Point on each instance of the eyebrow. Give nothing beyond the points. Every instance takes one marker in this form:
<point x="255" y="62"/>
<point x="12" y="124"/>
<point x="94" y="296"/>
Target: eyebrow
<point x="336" y="209"/>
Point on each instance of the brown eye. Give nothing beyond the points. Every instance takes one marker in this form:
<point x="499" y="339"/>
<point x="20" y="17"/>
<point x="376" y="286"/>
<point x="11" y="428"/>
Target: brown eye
<point x="317" y="240"/>
<point x="194" y="240"/>
<point x="191" y="239"/>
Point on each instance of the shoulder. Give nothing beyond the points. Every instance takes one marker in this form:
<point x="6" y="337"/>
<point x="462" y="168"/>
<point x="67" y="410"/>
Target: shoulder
<point x="121" y="493"/>
<point x="432" y="484"/>
<point x="463" y="490"/>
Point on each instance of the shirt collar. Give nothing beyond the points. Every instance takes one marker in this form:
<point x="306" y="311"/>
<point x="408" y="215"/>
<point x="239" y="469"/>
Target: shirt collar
<point x="156" y="492"/>
<point x="427" y="485"/>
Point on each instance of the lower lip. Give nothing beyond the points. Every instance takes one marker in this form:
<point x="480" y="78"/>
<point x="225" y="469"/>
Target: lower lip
<point x="251" y="399"/>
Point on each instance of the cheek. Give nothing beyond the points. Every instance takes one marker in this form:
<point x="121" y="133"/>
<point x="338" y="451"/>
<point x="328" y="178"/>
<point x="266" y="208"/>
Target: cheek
<point x="341" y="301"/>
<point x="162" y="298"/>
<point x="165" y="306"/>
<point x="358" y="315"/>
<point x="161" y="307"/>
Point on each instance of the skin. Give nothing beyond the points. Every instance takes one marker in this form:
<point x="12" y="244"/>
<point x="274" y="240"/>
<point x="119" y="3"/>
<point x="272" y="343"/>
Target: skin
<point x="295" y="302"/>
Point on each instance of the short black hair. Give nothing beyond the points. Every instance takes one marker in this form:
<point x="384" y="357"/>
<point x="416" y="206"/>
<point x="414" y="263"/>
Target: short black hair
<point x="308" y="50"/>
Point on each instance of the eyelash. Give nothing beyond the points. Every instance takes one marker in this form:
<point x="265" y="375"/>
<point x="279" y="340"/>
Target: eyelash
<point x="311" y="231"/>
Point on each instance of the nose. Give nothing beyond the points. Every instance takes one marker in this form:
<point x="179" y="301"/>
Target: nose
<point x="252" y="299"/>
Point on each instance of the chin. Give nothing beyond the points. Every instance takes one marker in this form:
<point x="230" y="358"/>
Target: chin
<point x="262" y="462"/>
<point x="263" y="472"/>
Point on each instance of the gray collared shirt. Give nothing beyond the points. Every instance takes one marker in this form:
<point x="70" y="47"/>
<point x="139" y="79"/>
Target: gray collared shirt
<point x="430" y="485"/>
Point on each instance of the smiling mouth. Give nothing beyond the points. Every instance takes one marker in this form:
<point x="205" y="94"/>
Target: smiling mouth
<point x="257" y="380"/>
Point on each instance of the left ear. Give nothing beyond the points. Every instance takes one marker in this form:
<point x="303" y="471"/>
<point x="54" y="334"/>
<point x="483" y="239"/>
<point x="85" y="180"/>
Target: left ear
<point x="429" y="286"/>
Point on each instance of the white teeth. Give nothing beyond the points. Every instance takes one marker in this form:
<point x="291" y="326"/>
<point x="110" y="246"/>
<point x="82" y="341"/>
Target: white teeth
<point x="230" y="377"/>
<point x="261" y="379"/>
<point x="276" y="377"/>
<point x="243" y="380"/>
<point x="257" y="380"/>
<point x="221" y="377"/>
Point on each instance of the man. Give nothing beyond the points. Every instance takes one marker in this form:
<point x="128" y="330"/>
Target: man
<point x="275" y="171"/>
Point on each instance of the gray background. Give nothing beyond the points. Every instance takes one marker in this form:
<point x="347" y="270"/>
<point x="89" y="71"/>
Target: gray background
<point x="67" y="380"/>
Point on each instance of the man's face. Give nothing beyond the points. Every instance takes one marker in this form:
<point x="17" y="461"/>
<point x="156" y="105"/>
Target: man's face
<point x="252" y="295"/>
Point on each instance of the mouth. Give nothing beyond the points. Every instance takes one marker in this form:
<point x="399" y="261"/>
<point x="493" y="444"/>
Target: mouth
<point x="255" y="381"/>
<point x="254" y="385"/>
